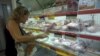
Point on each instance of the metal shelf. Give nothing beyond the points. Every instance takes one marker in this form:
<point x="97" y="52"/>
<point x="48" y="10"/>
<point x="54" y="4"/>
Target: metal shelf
<point x="90" y="11"/>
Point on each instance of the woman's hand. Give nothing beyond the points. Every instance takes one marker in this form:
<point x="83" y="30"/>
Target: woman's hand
<point x="29" y="33"/>
<point x="40" y="36"/>
<point x="43" y="35"/>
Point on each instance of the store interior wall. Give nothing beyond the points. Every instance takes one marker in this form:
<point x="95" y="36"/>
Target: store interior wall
<point x="5" y="11"/>
<point x="2" y="41"/>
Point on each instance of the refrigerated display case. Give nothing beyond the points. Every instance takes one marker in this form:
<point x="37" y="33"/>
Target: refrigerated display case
<point x="74" y="32"/>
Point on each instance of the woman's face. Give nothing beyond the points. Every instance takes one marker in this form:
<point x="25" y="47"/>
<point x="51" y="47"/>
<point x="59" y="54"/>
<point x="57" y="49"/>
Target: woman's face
<point x="24" y="18"/>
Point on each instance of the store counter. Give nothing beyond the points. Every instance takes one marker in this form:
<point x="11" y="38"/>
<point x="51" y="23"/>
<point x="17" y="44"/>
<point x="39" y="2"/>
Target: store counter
<point x="49" y="42"/>
<point x="63" y="47"/>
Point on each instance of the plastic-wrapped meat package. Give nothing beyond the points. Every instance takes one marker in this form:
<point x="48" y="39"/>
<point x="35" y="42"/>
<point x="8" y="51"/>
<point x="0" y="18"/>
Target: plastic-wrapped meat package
<point x="49" y="27"/>
<point x="67" y="43"/>
<point x="57" y="27"/>
<point x="76" y="46"/>
<point x="93" y="29"/>
<point x="52" y="25"/>
<point x="56" y="41"/>
<point x="88" y="23"/>
<point x="61" y="41"/>
<point x="64" y="27"/>
<point x="66" y="22"/>
<point x="73" y="26"/>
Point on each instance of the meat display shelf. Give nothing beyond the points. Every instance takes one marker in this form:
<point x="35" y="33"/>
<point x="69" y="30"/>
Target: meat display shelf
<point x="69" y="33"/>
<point x="90" y="37"/>
<point x="90" y="11"/>
<point x="61" y="13"/>
<point x="65" y="49"/>
<point x="93" y="36"/>
<point x="70" y="13"/>
<point x="54" y="46"/>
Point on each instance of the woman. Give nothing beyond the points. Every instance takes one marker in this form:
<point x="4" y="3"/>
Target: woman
<point x="14" y="32"/>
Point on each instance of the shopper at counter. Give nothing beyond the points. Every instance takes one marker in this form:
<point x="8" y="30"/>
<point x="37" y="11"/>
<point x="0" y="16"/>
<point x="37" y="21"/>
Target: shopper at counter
<point x="14" y="33"/>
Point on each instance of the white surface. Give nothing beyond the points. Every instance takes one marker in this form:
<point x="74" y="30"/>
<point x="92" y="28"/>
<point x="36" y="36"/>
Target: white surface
<point x="67" y="45"/>
<point x="55" y="45"/>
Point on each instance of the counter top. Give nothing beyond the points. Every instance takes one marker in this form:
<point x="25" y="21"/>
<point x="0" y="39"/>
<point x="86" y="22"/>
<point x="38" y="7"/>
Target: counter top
<point x="48" y="41"/>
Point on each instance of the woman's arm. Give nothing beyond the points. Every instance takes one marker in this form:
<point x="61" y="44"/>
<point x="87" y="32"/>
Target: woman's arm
<point x="14" y="30"/>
